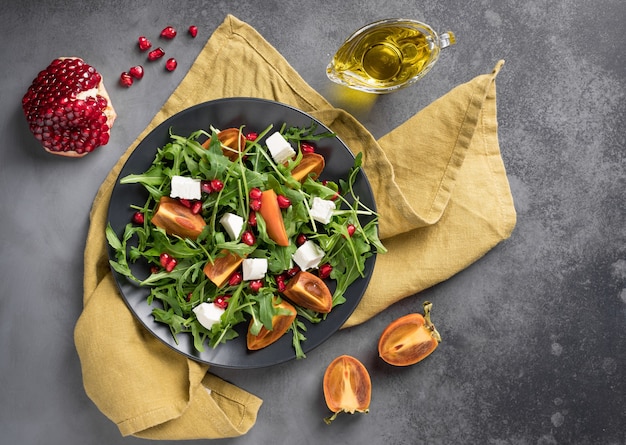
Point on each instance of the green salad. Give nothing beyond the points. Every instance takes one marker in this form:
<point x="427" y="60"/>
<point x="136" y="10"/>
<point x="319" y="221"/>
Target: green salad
<point x="212" y="198"/>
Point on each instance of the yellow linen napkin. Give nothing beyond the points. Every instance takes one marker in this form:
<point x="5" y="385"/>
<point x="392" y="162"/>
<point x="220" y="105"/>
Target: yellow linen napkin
<point x="440" y="187"/>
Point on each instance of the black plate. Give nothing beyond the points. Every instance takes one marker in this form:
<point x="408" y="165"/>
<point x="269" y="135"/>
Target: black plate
<point x="256" y="115"/>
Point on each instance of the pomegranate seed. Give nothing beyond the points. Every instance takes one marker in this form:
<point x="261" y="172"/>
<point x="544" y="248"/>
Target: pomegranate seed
<point x="252" y="219"/>
<point x="216" y="185"/>
<point x="136" y="72"/>
<point x="167" y="261"/>
<point x="168" y="32"/>
<point x="154" y="270"/>
<point x="283" y="201"/>
<point x="293" y="271"/>
<point x="185" y="202"/>
<point x="189" y="295"/>
<point x="171" y="64"/>
<point x="221" y="301"/>
<point x="196" y="207"/>
<point x="255" y="193"/>
<point x="307" y="147"/>
<point x="171" y="265"/>
<point x="156" y="54"/>
<point x="252" y="136"/>
<point x="205" y="186"/>
<point x="325" y="270"/>
<point x="248" y="238"/>
<point x="138" y="218"/>
<point x="126" y="79"/>
<point x="255" y="204"/>
<point x="351" y="229"/>
<point x="300" y="239"/>
<point x="193" y="31"/>
<point x="280" y="283"/>
<point x="144" y="43"/>
<point x="255" y="285"/>
<point x="235" y="279"/>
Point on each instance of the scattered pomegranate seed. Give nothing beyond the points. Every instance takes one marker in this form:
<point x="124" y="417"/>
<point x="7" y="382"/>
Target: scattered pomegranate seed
<point x="171" y="64"/>
<point x="189" y="295"/>
<point x="167" y="261"/>
<point x="193" y="31"/>
<point x="185" y="202"/>
<point x="252" y="136"/>
<point x="216" y="185"/>
<point x="280" y="283"/>
<point x="325" y="270"/>
<point x="351" y="229"/>
<point x="126" y="79"/>
<point x="138" y="218"/>
<point x="248" y="238"/>
<point x="252" y="219"/>
<point x="205" y="186"/>
<point x="144" y="43"/>
<point x="255" y="204"/>
<point x="307" y="147"/>
<point x="136" y="72"/>
<point x="196" y="207"/>
<point x="293" y="271"/>
<point x="154" y="269"/>
<point x="235" y="279"/>
<point x="255" y="285"/>
<point x="221" y="301"/>
<point x="168" y="32"/>
<point x="255" y="193"/>
<point x="300" y="239"/>
<point x="156" y="54"/>
<point x="283" y="201"/>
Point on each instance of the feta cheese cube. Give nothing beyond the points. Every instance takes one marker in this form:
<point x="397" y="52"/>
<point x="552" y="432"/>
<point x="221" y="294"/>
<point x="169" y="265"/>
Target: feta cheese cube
<point x="254" y="268"/>
<point x="208" y="314"/>
<point x="308" y="255"/>
<point x="233" y="224"/>
<point x="279" y="147"/>
<point x="185" y="188"/>
<point x="322" y="210"/>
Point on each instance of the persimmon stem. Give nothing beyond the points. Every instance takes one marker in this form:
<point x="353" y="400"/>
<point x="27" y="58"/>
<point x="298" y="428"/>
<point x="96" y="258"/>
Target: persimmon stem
<point x="428" y="323"/>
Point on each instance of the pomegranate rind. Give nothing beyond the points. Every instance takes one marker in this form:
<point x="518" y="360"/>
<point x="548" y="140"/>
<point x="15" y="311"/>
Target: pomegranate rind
<point x="409" y="339"/>
<point x="280" y="325"/>
<point x="347" y="387"/>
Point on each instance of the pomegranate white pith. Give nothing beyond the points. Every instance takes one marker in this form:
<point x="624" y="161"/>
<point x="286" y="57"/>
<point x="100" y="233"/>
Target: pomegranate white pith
<point x="68" y="108"/>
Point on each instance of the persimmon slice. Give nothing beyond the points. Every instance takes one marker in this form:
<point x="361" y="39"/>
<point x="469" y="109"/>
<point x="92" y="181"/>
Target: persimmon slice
<point x="310" y="164"/>
<point x="309" y="291"/>
<point x="233" y="142"/>
<point x="222" y="267"/>
<point x="280" y="325"/>
<point x="409" y="339"/>
<point x="176" y="219"/>
<point x="275" y="225"/>
<point x="347" y="387"/>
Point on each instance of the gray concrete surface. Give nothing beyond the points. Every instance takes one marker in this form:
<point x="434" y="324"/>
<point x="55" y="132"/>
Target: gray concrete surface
<point x="534" y="333"/>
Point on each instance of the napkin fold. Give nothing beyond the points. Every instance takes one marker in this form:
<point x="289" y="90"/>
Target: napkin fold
<point x="440" y="187"/>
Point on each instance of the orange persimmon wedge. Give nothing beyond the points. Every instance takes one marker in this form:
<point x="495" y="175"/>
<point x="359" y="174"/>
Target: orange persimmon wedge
<point x="309" y="291"/>
<point x="222" y="267"/>
<point x="280" y="325"/>
<point x="347" y="387"/>
<point x="409" y="339"/>
<point x="233" y="142"/>
<point x="176" y="219"/>
<point x="270" y="211"/>
<point x="310" y="164"/>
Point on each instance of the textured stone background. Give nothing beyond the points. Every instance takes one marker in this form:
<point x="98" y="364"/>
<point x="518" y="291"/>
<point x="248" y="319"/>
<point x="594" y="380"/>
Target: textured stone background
<point x="534" y="333"/>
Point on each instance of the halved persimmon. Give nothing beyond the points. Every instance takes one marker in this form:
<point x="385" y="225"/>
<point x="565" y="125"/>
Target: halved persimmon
<point x="409" y="339"/>
<point x="222" y="267"/>
<point x="347" y="387"/>
<point x="176" y="219"/>
<point x="270" y="211"/>
<point x="309" y="291"/>
<point x="311" y="164"/>
<point x="280" y="325"/>
<point x="233" y="142"/>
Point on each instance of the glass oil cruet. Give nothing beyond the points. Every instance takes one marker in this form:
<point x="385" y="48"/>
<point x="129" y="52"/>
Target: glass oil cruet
<point x="387" y="55"/>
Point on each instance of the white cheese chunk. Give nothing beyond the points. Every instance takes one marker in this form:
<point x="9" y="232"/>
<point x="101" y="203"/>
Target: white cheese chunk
<point x="208" y="314"/>
<point x="254" y="268"/>
<point x="279" y="147"/>
<point x="185" y="188"/>
<point x="308" y="255"/>
<point x="322" y="210"/>
<point x="233" y="224"/>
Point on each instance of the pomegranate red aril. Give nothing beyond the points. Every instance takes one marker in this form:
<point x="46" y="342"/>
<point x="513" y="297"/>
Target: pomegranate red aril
<point x="185" y="202"/>
<point x="280" y="283"/>
<point x="196" y="207"/>
<point x="126" y="79"/>
<point x="216" y="185"/>
<point x="351" y="229"/>
<point x="136" y="71"/>
<point x="283" y="201"/>
<point x="324" y="271"/>
<point x="252" y="219"/>
<point x="169" y="32"/>
<point x="221" y="301"/>
<point x="255" y="285"/>
<point x="248" y="238"/>
<point x="307" y="147"/>
<point x="168" y="262"/>
<point x="156" y="54"/>
<point x="255" y="205"/>
<point x="68" y="109"/>
<point x="171" y="64"/>
<point x="235" y="279"/>
<point x="301" y="239"/>
<point x="252" y="136"/>
<point x="205" y="186"/>
<point x="293" y="271"/>
<point x="144" y="43"/>
<point x="255" y="193"/>
<point x="193" y="31"/>
<point x="138" y="218"/>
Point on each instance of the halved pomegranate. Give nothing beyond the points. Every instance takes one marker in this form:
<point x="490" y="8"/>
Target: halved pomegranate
<point x="68" y="108"/>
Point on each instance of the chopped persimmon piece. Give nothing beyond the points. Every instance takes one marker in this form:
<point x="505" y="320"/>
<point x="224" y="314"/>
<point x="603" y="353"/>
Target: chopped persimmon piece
<point x="176" y="219"/>
<point x="222" y="267"/>
<point x="280" y="325"/>
<point x="311" y="164"/>
<point x="271" y="213"/>
<point x="233" y="142"/>
<point x="309" y="291"/>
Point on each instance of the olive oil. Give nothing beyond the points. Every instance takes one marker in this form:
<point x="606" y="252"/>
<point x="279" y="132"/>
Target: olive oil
<point x="387" y="55"/>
